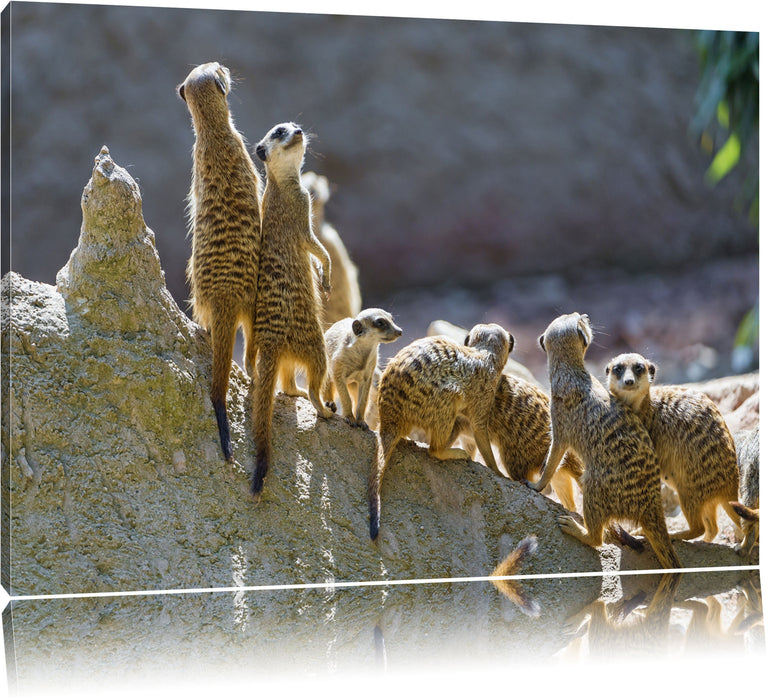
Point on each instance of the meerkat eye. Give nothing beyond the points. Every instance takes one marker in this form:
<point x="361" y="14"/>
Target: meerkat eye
<point x="379" y="323"/>
<point x="638" y="369"/>
<point x="279" y="133"/>
<point x="618" y="371"/>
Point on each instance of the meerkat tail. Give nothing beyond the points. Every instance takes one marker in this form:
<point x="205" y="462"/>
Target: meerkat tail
<point x="510" y="565"/>
<point x="263" y="401"/>
<point x="222" y="337"/>
<point x="386" y="444"/>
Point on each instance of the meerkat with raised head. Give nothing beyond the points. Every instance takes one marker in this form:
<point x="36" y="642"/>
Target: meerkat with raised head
<point x="621" y="480"/>
<point x="345" y="298"/>
<point x="430" y="384"/>
<point x="694" y="448"/>
<point x="287" y="326"/>
<point x="748" y="504"/>
<point x="225" y="228"/>
<point x="352" y="349"/>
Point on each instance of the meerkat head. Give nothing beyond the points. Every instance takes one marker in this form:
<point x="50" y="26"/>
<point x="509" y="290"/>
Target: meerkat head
<point x="206" y="87"/>
<point x="282" y="149"/>
<point x="629" y="377"/>
<point x="376" y="324"/>
<point x="569" y="334"/>
<point x="491" y="337"/>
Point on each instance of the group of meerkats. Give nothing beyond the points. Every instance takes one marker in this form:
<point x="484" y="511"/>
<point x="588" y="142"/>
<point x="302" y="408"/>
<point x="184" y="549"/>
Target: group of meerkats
<point x="263" y="259"/>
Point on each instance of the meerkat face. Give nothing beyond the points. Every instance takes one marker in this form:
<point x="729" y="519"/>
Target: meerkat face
<point x="206" y="82"/>
<point x="377" y="323"/>
<point x="490" y="336"/>
<point x="570" y="331"/>
<point x="282" y="149"/>
<point x="630" y="374"/>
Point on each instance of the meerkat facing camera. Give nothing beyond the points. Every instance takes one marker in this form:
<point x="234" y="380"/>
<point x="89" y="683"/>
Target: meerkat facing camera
<point x="430" y="384"/>
<point x="694" y="448"/>
<point x="352" y="348"/>
<point x="621" y="479"/>
<point x="288" y="328"/>
<point x="225" y="227"/>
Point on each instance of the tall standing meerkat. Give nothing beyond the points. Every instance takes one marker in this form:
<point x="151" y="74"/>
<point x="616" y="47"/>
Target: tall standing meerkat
<point x="430" y="384"/>
<point x="225" y="227"/>
<point x="352" y="347"/>
<point x="694" y="448"/>
<point x="288" y="307"/>
<point x="621" y="479"/>
<point x="345" y="298"/>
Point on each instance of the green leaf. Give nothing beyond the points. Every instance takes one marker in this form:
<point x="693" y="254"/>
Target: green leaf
<point x="725" y="160"/>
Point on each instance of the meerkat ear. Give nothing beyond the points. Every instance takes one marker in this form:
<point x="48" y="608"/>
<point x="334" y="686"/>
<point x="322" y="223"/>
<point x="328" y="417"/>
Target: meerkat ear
<point x="608" y="369"/>
<point x="358" y="327"/>
<point x="541" y="342"/>
<point x="261" y="152"/>
<point x="651" y="368"/>
<point x="466" y="340"/>
<point x="181" y="92"/>
<point x="511" y="342"/>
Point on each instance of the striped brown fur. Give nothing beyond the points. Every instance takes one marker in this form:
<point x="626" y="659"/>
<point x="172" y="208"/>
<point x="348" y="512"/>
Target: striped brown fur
<point x="693" y="445"/>
<point x="431" y="384"/>
<point x="225" y="228"/>
<point x="621" y="479"/>
<point x="288" y="328"/>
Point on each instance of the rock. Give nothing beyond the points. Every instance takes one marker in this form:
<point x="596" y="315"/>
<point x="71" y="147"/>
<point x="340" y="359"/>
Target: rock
<point x="116" y="482"/>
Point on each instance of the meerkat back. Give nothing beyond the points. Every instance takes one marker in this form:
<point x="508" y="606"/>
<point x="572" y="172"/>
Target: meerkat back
<point x="225" y="226"/>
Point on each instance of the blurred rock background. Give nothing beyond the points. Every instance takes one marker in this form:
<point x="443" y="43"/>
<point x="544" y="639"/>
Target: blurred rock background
<point x="480" y="171"/>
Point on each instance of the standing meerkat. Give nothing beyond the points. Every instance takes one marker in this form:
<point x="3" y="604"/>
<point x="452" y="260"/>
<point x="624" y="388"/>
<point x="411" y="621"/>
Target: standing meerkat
<point x="225" y="227"/>
<point x="351" y="346"/>
<point x="288" y="307"/>
<point x="430" y="384"/>
<point x="694" y="448"/>
<point x="345" y="298"/>
<point x="621" y="479"/>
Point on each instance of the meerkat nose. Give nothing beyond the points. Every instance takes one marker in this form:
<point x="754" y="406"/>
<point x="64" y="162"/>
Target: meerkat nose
<point x="298" y="132"/>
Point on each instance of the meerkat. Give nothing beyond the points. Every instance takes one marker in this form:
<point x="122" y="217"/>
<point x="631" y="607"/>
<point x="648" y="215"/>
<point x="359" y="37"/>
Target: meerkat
<point x="747" y="506"/>
<point x="225" y="228"/>
<point x="288" y="307"/>
<point x="519" y="427"/>
<point x="345" y="298"/>
<point x="621" y="480"/>
<point x="352" y="347"/>
<point x="431" y="383"/>
<point x="694" y="448"/>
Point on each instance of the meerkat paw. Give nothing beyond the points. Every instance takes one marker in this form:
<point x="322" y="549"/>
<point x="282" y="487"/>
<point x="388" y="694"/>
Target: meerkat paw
<point x="325" y="412"/>
<point x="332" y="405"/>
<point x="449" y="453"/>
<point x="570" y="526"/>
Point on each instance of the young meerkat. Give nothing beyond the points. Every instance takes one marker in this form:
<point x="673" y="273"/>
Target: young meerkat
<point x="352" y="348"/>
<point x="430" y="384"/>
<point x="694" y="448"/>
<point x="225" y="228"/>
<point x="748" y="504"/>
<point x="621" y="480"/>
<point x="288" y="307"/>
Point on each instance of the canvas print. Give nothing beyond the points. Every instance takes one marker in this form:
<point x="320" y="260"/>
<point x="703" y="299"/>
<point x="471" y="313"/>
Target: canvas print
<point x="319" y="329"/>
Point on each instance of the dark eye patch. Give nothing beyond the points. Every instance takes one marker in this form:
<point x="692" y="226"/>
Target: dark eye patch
<point x="279" y="133"/>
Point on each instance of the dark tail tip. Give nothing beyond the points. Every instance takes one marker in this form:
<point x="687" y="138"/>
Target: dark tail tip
<point x="259" y="473"/>
<point x="374" y="520"/>
<point x="223" y="430"/>
<point x="628" y="540"/>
